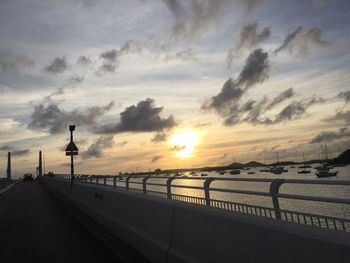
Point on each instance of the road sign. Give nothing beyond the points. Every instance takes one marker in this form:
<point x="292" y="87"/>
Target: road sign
<point x="72" y="149"/>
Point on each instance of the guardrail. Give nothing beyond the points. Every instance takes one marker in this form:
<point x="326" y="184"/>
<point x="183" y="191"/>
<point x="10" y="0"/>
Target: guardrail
<point x="128" y="183"/>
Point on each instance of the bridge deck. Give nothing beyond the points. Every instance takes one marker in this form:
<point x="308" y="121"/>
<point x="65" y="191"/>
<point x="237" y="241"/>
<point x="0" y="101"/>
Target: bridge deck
<point x="33" y="228"/>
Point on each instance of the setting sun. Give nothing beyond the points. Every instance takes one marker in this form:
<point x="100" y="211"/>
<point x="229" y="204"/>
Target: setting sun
<point x="184" y="143"/>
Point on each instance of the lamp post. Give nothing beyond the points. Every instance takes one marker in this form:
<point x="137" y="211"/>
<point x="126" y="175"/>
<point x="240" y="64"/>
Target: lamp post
<point x="71" y="150"/>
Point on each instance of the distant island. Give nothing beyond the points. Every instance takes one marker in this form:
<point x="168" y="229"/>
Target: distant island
<point x="342" y="160"/>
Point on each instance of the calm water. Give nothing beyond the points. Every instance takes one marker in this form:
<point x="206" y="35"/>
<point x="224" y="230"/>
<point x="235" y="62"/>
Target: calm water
<point x="295" y="205"/>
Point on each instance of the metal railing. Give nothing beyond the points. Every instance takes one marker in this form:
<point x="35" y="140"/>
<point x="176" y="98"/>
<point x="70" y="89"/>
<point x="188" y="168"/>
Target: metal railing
<point x="142" y="184"/>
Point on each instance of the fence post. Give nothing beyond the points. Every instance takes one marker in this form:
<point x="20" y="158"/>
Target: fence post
<point x="104" y="181"/>
<point x="144" y="184"/>
<point x="274" y="189"/>
<point x="127" y="182"/>
<point x="168" y="187"/>
<point x="115" y="181"/>
<point x="206" y="184"/>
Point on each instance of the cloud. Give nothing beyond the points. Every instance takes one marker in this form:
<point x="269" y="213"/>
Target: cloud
<point x="95" y="150"/>
<point x="156" y="158"/>
<point x="192" y="17"/>
<point x="58" y="66"/>
<point x="5" y="148"/>
<point x="301" y="39"/>
<point x="144" y="117"/>
<point x="202" y="124"/>
<point x="280" y="98"/>
<point x="49" y="116"/>
<point x="340" y="117"/>
<point x="345" y="95"/>
<point x="84" y="61"/>
<point x="178" y="148"/>
<point x="291" y="111"/>
<point x="255" y="71"/>
<point x="249" y="5"/>
<point x="121" y="144"/>
<point x="111" y="58"/>
<point x="159" y="137"/>
<point x="249" y="38"/>
<point x="184" y="55"/>
<point x="331" y="136"/>
<point x="20" y="152"/>
<point x="13" y="63"/>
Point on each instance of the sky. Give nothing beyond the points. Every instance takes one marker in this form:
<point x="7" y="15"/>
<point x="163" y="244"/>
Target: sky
<point x="172" y="83"/>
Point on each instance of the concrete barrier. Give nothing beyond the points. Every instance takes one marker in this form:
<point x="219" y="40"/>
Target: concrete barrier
<point x="167" y="231"/>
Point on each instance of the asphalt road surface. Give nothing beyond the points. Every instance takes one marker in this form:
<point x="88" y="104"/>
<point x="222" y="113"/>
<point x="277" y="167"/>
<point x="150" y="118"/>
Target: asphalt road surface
<point x="36" y="228"/>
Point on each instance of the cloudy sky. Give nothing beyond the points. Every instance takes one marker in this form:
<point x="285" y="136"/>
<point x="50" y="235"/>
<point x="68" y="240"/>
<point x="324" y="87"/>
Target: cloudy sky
<point x="172" y="83"/>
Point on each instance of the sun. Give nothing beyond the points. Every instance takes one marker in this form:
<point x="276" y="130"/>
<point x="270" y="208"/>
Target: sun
<point x="184" y="143"/>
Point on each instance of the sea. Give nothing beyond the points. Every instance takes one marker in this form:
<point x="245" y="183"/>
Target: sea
<point x="315" y="190"/>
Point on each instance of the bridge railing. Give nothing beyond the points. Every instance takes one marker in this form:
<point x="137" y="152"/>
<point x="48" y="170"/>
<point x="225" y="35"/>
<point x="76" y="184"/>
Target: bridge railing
<point x="217" y="192"/>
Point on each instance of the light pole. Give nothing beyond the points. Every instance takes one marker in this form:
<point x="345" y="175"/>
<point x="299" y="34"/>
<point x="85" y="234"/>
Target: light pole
<point x="71" y="150"/>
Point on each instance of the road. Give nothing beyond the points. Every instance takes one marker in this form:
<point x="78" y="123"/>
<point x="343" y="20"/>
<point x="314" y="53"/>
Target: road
<point x="36" y="228"/>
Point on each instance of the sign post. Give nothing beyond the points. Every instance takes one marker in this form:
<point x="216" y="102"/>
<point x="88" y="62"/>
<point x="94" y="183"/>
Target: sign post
<point x="71" y="150"/>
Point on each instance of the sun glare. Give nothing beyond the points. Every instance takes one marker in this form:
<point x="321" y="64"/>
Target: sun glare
<point x="184" y="143"/>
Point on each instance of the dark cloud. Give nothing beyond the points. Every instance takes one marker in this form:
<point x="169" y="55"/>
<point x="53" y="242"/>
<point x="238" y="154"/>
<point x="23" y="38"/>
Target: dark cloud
<point x="249" y="38"/>
<point x="178" y="148"/>
<point x="49" y="116"/>
<point x="226" y="103"/>
<point x="144" y="117"/>
<point x="159" y="137"/>
<point x="287" y="94"/>
<point x="229" y="106"/>
<point x="13" y="63"/>
<point x="156" y="158"/>
<point x="301" y="39"/>
<point x="84" y="61"/>
<point x="324" y="136"/>
<point x="95" y="150"/>
<point x="58" y="66"/>
<point x="184" y="55"/>
<point x="340" y="117"/>
<point x="20" y="152"/>
<point x="291" y="111"/>
<point x="121" y="144"/>
<point x="111" y="58"/>
<point x="345" y="95"/>
<point x="76" y="79"/>
<point x="249" y="5"/>
<point x="192" y="17"/>
<point x="5" y="148"/>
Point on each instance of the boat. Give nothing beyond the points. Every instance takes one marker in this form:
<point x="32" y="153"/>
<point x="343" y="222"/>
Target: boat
<point x="203" y="174"/>
<point x="304" y="171"/>
<point x="304" y="167"/>
<point x="251" y="172"/>
<point x="277" y="170"/>
<point x="235" y="171"/>
<point x="326" y="173"/>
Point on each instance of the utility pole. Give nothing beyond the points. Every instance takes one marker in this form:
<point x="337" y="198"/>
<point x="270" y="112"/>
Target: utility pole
<point x="40" y="167"/>
<point x="8" y="166"/>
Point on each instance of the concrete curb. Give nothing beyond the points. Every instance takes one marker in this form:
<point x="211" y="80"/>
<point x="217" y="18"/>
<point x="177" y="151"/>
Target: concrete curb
<point x="7" y="188"/>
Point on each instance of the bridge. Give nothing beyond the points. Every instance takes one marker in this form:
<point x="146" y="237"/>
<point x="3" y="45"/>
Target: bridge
<point x="158" y="218"/>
